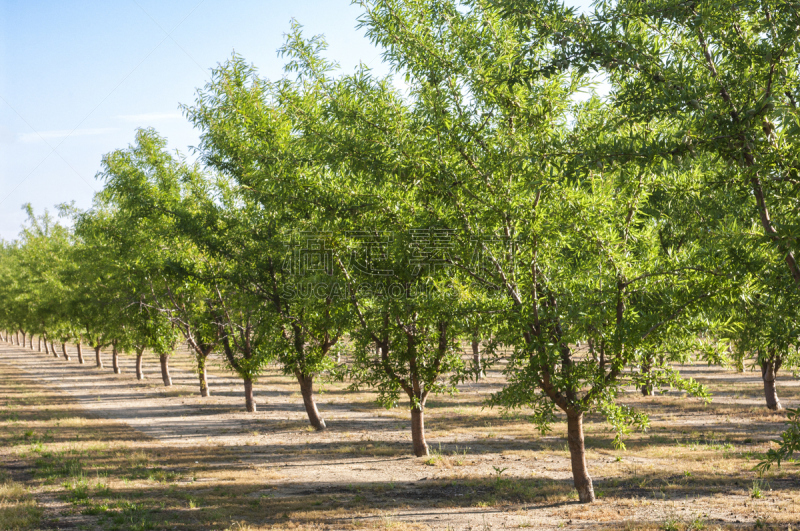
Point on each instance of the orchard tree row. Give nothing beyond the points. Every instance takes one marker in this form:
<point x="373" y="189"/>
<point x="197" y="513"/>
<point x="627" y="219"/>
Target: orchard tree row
<point x="604" y="196"/>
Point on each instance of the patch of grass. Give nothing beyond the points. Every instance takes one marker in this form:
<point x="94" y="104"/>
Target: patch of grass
<point x="56" y="466"/>
<point x="756" y="491"/>
<point x="18" y="509"/>
<point x="77" y="491"/>
<point x="132" y="516"/>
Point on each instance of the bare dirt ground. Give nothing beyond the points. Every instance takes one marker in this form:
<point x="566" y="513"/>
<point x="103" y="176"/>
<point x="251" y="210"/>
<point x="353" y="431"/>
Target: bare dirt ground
<point x="83" y="448"/>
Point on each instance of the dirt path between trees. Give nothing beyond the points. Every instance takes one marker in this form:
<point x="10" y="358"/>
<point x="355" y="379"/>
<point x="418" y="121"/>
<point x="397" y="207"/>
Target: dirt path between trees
<point x="366" y="450"/>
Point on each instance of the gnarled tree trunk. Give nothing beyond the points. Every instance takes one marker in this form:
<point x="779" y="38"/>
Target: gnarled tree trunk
<point x="577" y="453"/>
<point x="115" y="358"/>
<point x="164" y="358"/>
<point x="249" y="402"/>
<point x="769" y="370"/>
<point x="647" y="388"/>
<point x="139" y="371"/>
<point x="63" y="350"/>
<point x="476" y="357"/>
<point x="201" y="373"/>
<point x="418" y="431"/>
<point x="80" y="351"/>
<point x="307" y="390"/>
<point x="97" y="357"/>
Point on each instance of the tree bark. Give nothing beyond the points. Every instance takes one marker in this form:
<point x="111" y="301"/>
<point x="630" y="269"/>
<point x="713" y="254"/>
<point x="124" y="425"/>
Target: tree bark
<point x="647" y="388"/>
<point x="17" y="336"/>
<point x="40" y="344"/>
<point x="63" y="350"/>
<point x="24" y="336"/>
<point x="115" y="358"/>
<point x="476" y="357"/>
<point x="203" y="375"/>
<point x="577" y="453"/>
<point x="307" y="390"/>
<point x="249" y="403"/>
<point x="418" y="431"/>
<point x="139" y="356"/>
<point x="80" y="352"/>
<point x="768" y="373"/>
<point x="164" y="358"/>
<point x="97" y="357"/>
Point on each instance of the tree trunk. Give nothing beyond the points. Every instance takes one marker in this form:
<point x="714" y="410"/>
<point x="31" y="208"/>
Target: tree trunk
<point x="768" y="372"/>
<point x="53" y="349"/>
<point x="165" y="370"/>
<point x="115" y="358"/>
<point x="40" y="344"/>
<point x="80" y="352"/>
<point x="17" y="335"/>
<point x="24" y="336"/>
<point x="202" y="374"/>
<point x="307" y="390"/>
<point x="476" y="357"/>
<point x="139" y="372"/>
<point x="63" y="350"/>
<point x="249" y="403"/>
<point x="577" y="453"/>
<point x="30" y="342"/>
<point x="97" y="357"/>
<point x="418" y="431"/>
<point x="647" y="388"/>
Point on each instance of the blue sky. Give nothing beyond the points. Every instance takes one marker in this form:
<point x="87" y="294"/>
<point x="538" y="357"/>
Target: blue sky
<point x="77" y="78"/>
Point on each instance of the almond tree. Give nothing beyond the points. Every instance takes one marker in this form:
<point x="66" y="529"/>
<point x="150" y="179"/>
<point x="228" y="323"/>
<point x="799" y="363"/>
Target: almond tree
<point x="112" y="278"/>
<point x="720" y="80"/>
<point x="275" y="198"/>
<point x="147" y="216"/>
<point x="144" y="186"/>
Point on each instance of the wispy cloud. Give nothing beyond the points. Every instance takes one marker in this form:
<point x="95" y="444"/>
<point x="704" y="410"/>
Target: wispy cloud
<point x="149" y="117"/>
<point x="42" y="136"/>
